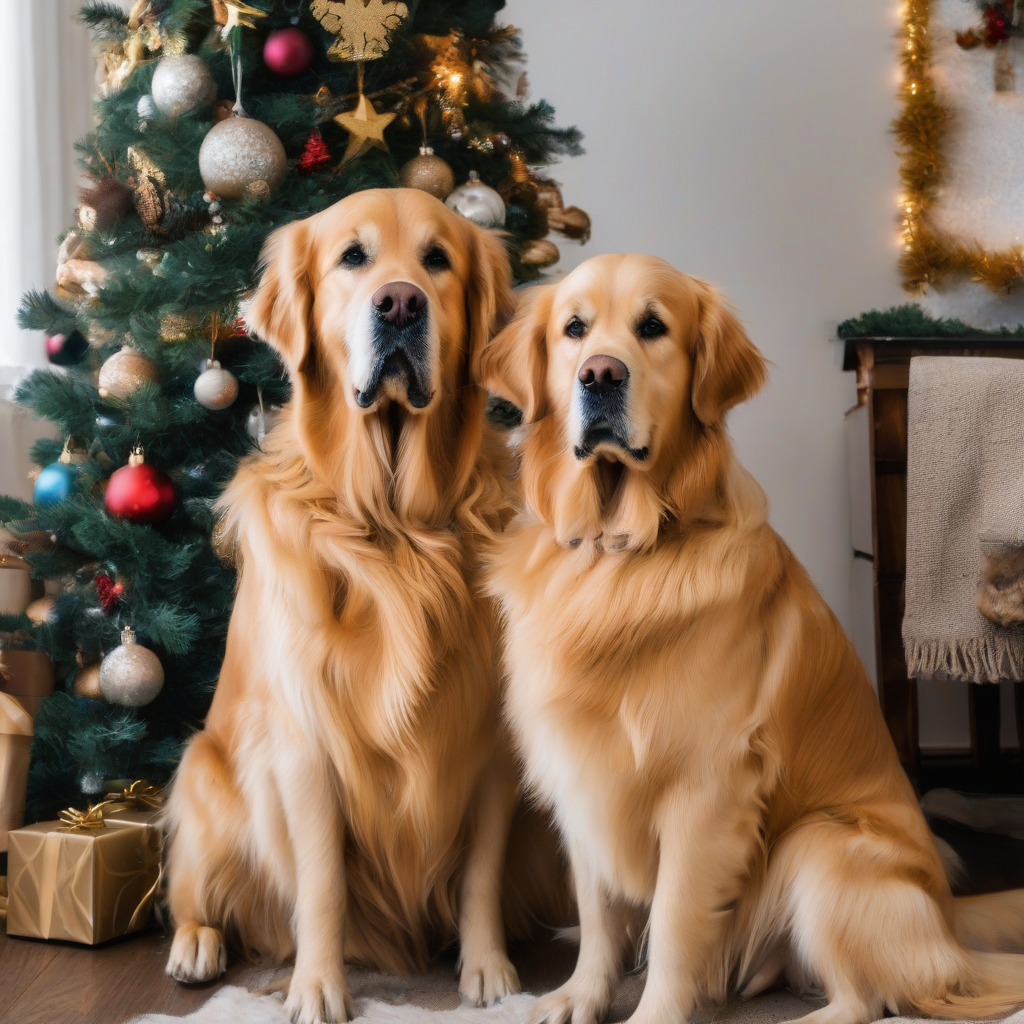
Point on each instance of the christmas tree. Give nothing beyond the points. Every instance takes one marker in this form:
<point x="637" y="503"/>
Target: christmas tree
<point x="217" y="123"/>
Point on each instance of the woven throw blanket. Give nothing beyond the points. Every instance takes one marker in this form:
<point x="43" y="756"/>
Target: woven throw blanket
<point x="965" y="461"/>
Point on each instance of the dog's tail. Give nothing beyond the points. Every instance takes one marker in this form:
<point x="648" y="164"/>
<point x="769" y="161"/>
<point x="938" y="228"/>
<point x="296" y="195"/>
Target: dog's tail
<point x="995" y="988"/>
<point x="993" y="921"/>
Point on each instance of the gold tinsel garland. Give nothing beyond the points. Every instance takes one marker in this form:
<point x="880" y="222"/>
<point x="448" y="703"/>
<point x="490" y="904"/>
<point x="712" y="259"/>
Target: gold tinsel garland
<point x="931" y="256"/>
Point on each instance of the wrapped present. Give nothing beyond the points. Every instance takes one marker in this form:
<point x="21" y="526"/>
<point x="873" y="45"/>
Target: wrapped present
<point x="81" y="879"/>
<point x="26" y="676"/>
<point x="15" y="744"/>
<point x="136" y="804"/>
<point x="15" y="582"/>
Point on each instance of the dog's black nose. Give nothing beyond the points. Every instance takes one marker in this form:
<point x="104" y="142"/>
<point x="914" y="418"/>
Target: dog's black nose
<point x="399" y="302"/>
<point x="601" y="375"/>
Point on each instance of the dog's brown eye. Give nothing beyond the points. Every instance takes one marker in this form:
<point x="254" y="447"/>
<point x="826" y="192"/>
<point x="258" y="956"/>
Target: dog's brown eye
<point x="575" y="328"/>
<point x="437" y="259"/>
<point x="651" y="327"/>
<point x="354" y="256"/>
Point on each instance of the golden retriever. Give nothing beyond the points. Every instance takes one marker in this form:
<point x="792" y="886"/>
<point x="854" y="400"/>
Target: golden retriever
<point x="685" y="701"/>
<point x="351" y="794"/>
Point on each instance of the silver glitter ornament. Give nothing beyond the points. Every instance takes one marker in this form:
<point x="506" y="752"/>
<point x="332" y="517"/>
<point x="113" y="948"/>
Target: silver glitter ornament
<point x="238" y="152"/>
<point x="478" y="202"/>
<point x="182" y="83"/>
<point x="131" y="675"/>
<point x="215" y="387"/>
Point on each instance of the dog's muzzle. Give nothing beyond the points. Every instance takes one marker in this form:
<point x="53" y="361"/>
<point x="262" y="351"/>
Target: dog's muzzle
<point x="603" y="382"/>
<point x="400" y="323"/>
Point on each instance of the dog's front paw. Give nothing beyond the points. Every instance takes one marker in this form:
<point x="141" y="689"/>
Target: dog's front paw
<point x="315" y="999"/>
<point x="570" y="1003"/>
<point x="197" y="954"/>
<point x="486" y="979"/>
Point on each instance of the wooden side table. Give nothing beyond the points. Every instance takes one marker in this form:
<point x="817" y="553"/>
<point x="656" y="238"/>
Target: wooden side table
<point x="883" y="377"/>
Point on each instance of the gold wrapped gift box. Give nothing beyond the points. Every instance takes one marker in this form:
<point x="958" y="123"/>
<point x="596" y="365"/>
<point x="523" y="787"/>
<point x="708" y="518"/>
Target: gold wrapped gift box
<point x="88" y="882"/>
<point x="15" y="746"/>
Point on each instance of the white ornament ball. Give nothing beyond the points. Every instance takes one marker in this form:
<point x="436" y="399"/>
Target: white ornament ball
<point x="478" y="202"/>
<point x="146" y="108"/>
<point x="238" y="152"/>
<point x="215" y="387"/>
<point x="182" y="83"/>
<point x="131" y="675"/>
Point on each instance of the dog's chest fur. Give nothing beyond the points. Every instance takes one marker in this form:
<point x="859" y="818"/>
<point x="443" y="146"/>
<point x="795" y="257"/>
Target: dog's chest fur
<point x="376" y="652"/>
<point x="613" y="698"/>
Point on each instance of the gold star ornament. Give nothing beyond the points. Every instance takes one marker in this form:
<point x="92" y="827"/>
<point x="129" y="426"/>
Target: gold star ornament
<point x="365" y="128"/>
<point x="240" y="14"/>
<point x="362" y="27"/>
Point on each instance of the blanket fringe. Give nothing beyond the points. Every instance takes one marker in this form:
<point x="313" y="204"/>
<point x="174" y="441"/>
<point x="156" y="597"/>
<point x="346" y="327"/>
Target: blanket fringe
<point x="978" y="660"/>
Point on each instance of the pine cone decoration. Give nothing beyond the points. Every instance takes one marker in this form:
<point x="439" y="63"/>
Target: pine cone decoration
<point x="149" y="202"/>
<point x="181" y="218"/>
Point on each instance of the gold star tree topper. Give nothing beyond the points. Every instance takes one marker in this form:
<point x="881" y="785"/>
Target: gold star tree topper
<point x="365" y="128"/>
<point x="362" y="26"/>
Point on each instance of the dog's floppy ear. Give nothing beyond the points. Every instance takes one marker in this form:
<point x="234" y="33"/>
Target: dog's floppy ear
<point x="727" y="368"/>
<point x="281" y="311"/>
<point x="514" y="365"/>
<point x="490" y="300"/>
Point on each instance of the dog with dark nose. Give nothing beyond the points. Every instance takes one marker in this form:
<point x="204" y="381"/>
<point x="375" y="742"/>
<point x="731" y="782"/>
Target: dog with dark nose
<point x="400" y="349"/>
<point x="603" y="382"/>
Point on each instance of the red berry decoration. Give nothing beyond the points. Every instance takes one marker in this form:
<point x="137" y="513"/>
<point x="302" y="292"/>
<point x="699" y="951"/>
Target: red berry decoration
<point x="288" y="52"/>
<point x="108" y="592"/>
<point x="315" y="155"/>
<point x="138" y="492"/>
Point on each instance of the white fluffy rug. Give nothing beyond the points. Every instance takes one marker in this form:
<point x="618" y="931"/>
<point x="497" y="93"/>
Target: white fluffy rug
<point x="232" y="1005"/>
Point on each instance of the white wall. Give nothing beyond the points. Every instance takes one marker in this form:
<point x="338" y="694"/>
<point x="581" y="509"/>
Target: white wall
<point x="747" y="143"/>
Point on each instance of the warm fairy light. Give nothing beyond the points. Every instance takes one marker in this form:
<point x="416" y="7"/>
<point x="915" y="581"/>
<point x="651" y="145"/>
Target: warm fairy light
<point x="456" y="78"/>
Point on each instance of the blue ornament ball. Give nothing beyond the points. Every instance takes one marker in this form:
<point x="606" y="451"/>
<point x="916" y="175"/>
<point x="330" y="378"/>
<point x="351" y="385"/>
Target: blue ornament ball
<point x="56" y="481"/>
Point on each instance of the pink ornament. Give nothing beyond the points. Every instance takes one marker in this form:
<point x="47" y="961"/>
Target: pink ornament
<point x="288" y="52"/>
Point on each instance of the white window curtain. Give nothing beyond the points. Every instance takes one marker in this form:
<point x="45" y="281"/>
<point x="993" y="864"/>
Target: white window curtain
<point x="46" y="80"/>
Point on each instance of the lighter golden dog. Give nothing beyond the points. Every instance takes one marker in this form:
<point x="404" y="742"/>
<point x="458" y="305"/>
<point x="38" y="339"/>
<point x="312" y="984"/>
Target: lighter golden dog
<point x="350" y="794"/>
<point x="685" y="701"/>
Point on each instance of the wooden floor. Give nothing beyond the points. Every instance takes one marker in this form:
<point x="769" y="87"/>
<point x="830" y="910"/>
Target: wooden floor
<point x="61" y="983"/>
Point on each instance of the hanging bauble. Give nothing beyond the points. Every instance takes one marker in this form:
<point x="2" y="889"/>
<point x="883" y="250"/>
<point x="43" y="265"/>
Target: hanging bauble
<point x="429" y="173"/>
<point x="288" y="52"/>
<point x="237" y="152"/>
<point x="66" y="349"/>
<point x="131" y="675"/>
<point x="539" y="253"/>
<point x="261" y="420"/>
<point x="54" y="483"/>
<point x="139" y="492"/>
<point x="215" y="387"/>
<point x="87" y="682"/>
<point x="42" y="610"/>
<point x="124" y="372"/>
<point x="182" y="83"/>
<point x="478" y="202"/>
<point x="146" y="108"/>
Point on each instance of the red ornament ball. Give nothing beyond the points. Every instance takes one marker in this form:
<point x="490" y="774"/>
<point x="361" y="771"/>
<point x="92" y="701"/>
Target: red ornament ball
<point x="288" y="52"/>
<point x="139" y="493"/>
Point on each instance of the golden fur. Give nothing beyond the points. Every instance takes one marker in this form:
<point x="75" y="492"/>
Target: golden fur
<point x="351" y="790"/>
<point x="689" y="707"/>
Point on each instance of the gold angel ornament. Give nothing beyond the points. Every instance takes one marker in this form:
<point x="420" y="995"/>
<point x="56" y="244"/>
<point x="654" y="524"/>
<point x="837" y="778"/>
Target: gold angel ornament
<point x="362" y="27"/>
